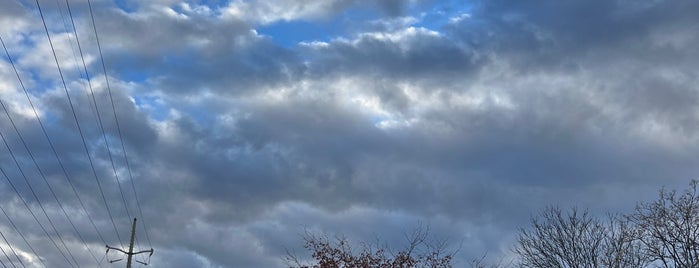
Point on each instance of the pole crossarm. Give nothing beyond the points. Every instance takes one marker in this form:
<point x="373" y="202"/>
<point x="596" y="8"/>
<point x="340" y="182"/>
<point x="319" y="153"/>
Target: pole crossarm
<point x="143" y="251"/>
<point x="129" y="254"/>
<point x="132" y="253"/>
<point x="117" y="249"/>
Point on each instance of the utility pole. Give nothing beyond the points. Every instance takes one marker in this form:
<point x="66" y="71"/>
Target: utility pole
<point x="130" y="253"/>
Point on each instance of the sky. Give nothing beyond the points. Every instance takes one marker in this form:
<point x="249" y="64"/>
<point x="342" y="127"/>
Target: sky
<point x="248" y="123"/>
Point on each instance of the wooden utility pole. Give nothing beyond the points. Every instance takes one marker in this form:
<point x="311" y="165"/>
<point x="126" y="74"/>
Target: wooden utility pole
<point x="130" y="253"/>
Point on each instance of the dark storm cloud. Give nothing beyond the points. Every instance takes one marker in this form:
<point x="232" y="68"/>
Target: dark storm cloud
<point x="411" y="53"/>
<point x="392" y="7"/>
<point x="541" y="33"/>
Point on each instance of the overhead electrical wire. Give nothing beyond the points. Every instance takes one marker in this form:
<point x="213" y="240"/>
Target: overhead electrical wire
<point x="51" y="145"/>
<point x="55" y="154"/>
<point x="53" y="149"/>
<point x="12" y="249"/>
<point x="7" y="256"/>
<point x="43" y="176"/>
<point x="2" y="262"/>
<point x="77" y="122"/>
<point x="14" y="188"/>
<point x="116" y="120"/>
<point x="66" y="26"/>
<point x="22" y="236"/>
<point x="9" y="245"/>
<point x="31" y="189"/>
<point x="99" y="117"/>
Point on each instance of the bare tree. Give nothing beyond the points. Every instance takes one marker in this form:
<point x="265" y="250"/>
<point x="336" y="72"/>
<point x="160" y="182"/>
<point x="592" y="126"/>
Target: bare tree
<point x="481" y="263"/>
<point x="338" y="253"/>
<point x="662" y="233"/>
<point x="560" y="241"/>
<point x="578" y="240"/>
<point x="670" y="228"/>
<point x="622" y="247"/>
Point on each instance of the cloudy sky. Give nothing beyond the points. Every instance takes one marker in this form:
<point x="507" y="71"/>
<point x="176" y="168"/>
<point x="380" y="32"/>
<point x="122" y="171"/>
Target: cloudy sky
<point x="246" y="123"/>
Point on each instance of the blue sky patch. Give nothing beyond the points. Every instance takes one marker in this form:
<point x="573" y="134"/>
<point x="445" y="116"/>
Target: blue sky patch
<point x="127" y="6"/>
<point x="290" y="33"/>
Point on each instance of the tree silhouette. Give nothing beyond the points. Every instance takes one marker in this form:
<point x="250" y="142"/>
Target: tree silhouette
<point x="338" y="253"/>
<point x="663" y="233"/>
<point x="669" y="228"/>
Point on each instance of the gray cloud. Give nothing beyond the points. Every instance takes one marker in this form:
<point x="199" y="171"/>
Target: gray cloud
<point x="237" y="144"/>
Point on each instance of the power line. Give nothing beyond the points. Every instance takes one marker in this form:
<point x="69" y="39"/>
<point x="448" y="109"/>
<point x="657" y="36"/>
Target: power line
<point x="22" y="236"/>
<point x="32" y="212"/>
<point x="77" y="122"/>
<point x="7" y="256"/>
<point x="43" y="176"/>
<point x="99" y="117"/>
<point x="13" y="251"/>
<point x="97" y="114"/>
<point x="53" y="148"/>
<point x="31" y="189"/>
<point x="116" y="120"/>
<point x="37" y="165"/>
<point x="72" y="49"/>
<point x="53" y="193"/>
<point x="82" y="138"/>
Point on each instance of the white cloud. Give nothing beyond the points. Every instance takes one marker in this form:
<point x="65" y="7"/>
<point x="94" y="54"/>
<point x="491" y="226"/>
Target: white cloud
<point x="459" y="18"/>
<point x="267" y="12"/>
<point x="238" y="143"/>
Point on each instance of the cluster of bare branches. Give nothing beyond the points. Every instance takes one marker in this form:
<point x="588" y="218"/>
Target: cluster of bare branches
<point x="578" y="240"/>
<point x="669" y="228"/>
<point x="339" y="253"/>
<point x="663" y="233"/>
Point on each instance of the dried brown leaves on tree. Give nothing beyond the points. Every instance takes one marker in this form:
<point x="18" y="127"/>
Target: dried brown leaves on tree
<point x="338" y="253"/>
